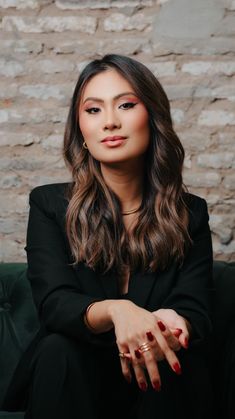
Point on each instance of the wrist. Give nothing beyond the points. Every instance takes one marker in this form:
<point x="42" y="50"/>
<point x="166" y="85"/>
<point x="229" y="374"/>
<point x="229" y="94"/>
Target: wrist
<point x="114" y="308"/>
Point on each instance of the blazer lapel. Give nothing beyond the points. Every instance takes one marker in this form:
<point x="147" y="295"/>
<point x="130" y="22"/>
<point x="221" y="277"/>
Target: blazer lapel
<point x="140" y="286"/>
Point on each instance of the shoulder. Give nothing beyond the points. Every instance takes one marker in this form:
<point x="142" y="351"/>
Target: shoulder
<point x="50" y="197"/>
<point x="197" y="211"/>
<point x="51" y="189"/>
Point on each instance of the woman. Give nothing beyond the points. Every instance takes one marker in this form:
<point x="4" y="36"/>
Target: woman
<point x="119" y="262"/>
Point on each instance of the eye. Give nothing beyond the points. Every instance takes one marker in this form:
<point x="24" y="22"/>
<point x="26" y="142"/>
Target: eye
<point x="129" y="105"/>
<point x="91" y="109"/>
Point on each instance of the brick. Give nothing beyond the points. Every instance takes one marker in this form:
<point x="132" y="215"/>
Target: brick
<point x="12" y="139"/>
<point x="21" y="46"/>
<point x="10" y="181"/>
<point x="222" y="249"/>
<point x="208" y="46"/>
<point x="11" y="68"/>
<point x="212" y="199"/>
<point x="14" y="204"/>
<point x="3" y="116"/>
<point x="213" y="118"/>
<point x="224" y="92"/>
<point x="82" y="4"/>
<point x="94" y="4"/>
<point x="48" y="66"/>
<point x="226" y="139"/>
<point x="188" y="161"/>
<point x="226" y="26"/>
<point x="229" y="182"/>
<point x="216" y="160"/>
<point x="179" y="91"/>
<point x="197" y="68"/>
<point x="102" y="46"/>
<point x="34" y="163"/>
<point x="10" y="225"/>
<point x="31" y="24"/>
<point x="118" y="22"/>
<point x="162" y="69"/>
<point x="204" y="180"/>
<point x="45" y="179"/>
<point x="177" y="115"/>
<point x="23" y="4"/>
<point x="53" y="141"/>
<point x="179" y="20"/>
<point x="231" y="4"/>
<point x="8" y="90"/>
<point x="46" y="91"/>
<point x="12" y="249"/>
<point x="33" y="115"/>
<point x="194" y="141"/>
<point x="222" y="226"/>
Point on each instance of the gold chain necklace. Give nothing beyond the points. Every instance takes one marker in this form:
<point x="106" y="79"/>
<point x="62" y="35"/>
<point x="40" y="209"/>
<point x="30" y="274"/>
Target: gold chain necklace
<point x="131" y="211"/>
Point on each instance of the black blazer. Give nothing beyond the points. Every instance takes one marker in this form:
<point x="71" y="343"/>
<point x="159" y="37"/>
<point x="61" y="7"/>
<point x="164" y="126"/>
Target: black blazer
<point x="62" y="293"/>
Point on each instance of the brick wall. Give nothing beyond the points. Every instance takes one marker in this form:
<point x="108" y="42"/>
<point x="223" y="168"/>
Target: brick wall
<point x="188" y="44"/>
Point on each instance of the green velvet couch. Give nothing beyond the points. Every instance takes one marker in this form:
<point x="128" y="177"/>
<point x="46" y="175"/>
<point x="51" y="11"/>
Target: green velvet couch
<point x="19" y="323"/>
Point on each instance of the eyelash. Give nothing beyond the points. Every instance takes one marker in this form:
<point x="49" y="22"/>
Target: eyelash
<point x="126" y="103"/>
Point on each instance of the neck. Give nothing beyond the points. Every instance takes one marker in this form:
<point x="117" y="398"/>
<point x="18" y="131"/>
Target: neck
<point x="126" y="181"/>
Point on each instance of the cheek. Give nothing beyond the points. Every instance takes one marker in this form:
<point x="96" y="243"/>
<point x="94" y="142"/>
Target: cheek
<point x="84" y="127"/>
<point x="140" y="121"/>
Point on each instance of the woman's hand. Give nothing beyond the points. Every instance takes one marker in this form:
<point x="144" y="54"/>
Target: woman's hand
<point x="177" y="324"/>
<point x="134" y="327"/>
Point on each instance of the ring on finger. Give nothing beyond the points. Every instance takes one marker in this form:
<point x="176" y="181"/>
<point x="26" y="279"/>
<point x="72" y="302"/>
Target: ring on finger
<point x="123" y="354"/>
<point x="144" y="347"/>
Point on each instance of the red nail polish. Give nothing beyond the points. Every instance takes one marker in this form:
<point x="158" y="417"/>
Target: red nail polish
<point x="177" y="368"/>
<point x="150" y="336"/>
<point x="156" y="385"/>
<point x="143" y="386"/>
<point x="186" y="342"/>
<point x="137" y="353"/>
<point x="161" y="326"/>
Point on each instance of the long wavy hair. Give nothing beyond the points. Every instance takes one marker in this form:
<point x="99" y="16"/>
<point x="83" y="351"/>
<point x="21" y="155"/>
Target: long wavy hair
<point x="94" y="223"/>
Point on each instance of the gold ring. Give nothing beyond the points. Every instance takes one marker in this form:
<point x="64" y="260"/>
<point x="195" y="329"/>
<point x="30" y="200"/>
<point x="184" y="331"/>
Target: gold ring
<point x="123" y="354"/>
<point x="144" y="347"/>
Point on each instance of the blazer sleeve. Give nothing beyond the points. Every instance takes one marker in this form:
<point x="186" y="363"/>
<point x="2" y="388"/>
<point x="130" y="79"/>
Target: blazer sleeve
<point x="55" y="286"/>
<point x="191" y="295"/>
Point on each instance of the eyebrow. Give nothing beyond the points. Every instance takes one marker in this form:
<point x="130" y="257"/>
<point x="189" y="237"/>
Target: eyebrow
<point x="115" y="97"/>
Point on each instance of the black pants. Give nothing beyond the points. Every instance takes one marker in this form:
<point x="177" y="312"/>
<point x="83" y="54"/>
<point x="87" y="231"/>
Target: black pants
<point x="71" y="380"/>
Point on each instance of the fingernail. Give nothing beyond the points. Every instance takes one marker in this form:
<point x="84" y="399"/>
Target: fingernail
<point x="177" y="368"/>
<point x="156" y="386"/>
<point x="143" y="386"/>
<point x="161" y="326"/>
<point x="137" y="353"/>
<point x="150" y="336"/>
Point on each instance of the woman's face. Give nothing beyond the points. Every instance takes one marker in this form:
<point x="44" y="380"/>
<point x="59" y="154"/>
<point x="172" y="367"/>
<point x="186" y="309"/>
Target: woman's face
<point x="109" y="107"/>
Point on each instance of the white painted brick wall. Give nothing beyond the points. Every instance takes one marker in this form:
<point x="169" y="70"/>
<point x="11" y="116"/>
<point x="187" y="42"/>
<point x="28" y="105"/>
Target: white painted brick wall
<point x="44" y="44"/>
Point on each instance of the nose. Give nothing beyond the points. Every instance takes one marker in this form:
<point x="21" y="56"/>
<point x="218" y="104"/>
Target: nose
<point x="111" y="121"/>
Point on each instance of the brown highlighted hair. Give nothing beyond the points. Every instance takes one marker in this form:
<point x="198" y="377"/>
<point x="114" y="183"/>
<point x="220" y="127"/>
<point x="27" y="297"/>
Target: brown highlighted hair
<point x="94" y="224"/>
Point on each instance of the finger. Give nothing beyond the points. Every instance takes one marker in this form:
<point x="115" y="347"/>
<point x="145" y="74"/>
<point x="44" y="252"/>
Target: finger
<point x="151" y="367"/>
<point x="125" y="365"/>
<point x="176" y="332"/>
<point x="184" y="339"/>
<point x="172" y="341"/>
<point x="158" y="354"/>
<point x="139" y="374"/>
<point x="168" y="352"/>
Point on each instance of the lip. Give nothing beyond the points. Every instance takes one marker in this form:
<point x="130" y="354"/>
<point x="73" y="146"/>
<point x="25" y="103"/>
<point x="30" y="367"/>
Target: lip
<point x="113" y="138"/>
